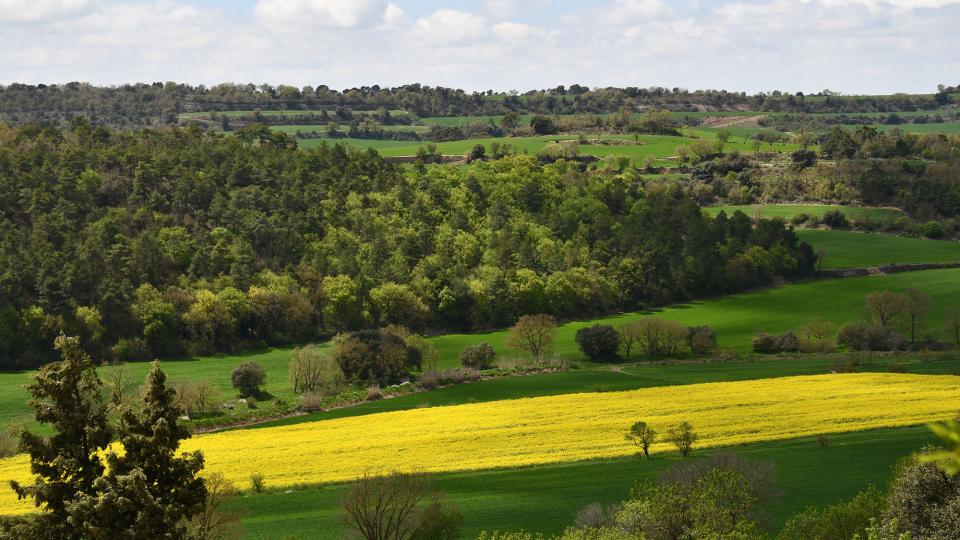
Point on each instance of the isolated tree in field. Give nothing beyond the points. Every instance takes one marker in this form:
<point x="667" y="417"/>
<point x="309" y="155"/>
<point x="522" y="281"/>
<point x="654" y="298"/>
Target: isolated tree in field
<point x="533" y="334"/>
<point x="510" y="122"/>
<point x="66" y="465"/>
<point x="599" y="342"/>
<point x="248" y="377"/>
<point x="884" y="308"/>
<point x="818" y="330"/>
<point x="398" y="507"/>
<point x="723" y="137"/>
<point x="148" y="488"/>
<point x="916" y="308"/>
<point x="642" y="435"/>
<point x="682" y="436"/>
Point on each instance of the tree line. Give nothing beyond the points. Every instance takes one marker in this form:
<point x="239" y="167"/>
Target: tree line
<point x="143" y="104"/>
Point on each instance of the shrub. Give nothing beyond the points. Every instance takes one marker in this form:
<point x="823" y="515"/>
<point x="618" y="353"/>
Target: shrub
<point x="767" y="344"/>
<point x="788" y="342"/>
<point x="311" y="403"/>
<point x="311" y="370"/>
<point x="861" y="336"/>
<point x="932" y="229"/>
<point x="479" y="356"/>
<point x="701" y="339"/>
<point x="258" y="482"/>
<point x="248" y="377"/>
<point x="599" y="342"/>
<point x="130" y="350"/>
<point x="374" y="393"/>
<point x="847" y="519"/>
<point x="430" y="380"/>
<point x="835" y="219"/>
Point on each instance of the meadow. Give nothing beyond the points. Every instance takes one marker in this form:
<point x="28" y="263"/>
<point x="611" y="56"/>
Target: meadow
<point x="660" y="147"/>
<point x="849" y="249"/>
<point x="738" y="318"/>
<point x="559" y="429"/>
<point x="788" y="211"/>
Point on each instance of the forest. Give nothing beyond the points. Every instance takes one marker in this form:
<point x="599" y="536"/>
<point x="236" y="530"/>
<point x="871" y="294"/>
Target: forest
<point x="161" y="242"/>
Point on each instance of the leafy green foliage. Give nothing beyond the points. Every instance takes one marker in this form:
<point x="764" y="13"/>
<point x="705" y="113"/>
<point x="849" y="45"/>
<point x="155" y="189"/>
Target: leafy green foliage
<point x="184" y="241"/>
<point x="599" y="342"/>
<point x="478" y="356"/>
<point x="248" y="377"/>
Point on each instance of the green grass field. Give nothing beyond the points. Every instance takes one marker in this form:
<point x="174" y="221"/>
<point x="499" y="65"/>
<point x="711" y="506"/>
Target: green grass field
<point x="547" y="498"/>
<point x="736" y="319"/>
<point x="660" y="147"/>
<point x="787" y="211"/>
<point x="848" y="249"/>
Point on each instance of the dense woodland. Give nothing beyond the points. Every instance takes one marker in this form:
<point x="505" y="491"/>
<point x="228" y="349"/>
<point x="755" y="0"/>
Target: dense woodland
<point x="139" y="105"/>
<point x="161" y="242"/>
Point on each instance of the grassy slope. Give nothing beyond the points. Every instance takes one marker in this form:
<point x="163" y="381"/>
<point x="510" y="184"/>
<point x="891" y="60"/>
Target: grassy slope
<point x="787" y="211"/>
<point x="848" y="249"/>
<point x="738" y="318"/>
<point x="547" y="498"/>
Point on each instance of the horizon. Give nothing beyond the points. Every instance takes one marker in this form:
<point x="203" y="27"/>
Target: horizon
<point x="852" y="47"/>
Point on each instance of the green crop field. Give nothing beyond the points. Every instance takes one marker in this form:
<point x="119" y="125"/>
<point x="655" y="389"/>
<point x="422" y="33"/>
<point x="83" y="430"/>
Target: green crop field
<point x="848" y="249"/>
<point x="547" y="498"/>
<point x="787" y="211"/>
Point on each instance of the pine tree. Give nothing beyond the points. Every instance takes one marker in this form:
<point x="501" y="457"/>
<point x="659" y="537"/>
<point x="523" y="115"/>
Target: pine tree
<point x="149" y="492"/>
<point x="66" y="465"/>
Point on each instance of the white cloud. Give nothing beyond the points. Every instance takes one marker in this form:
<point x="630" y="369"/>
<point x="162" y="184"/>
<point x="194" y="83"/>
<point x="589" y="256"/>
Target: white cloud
<point x="20" y="11"/>
<point x="449" y="26"/>
<point x="847" y="45"/>
<point x="281" y="14"/>
<point x="512" y="32"/>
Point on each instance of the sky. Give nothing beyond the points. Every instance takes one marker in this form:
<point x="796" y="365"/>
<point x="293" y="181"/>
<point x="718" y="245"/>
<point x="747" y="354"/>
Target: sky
<point x="849" y="46"/>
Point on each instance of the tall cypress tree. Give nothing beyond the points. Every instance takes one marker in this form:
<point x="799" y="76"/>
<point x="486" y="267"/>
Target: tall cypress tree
<point x="66" y="465"/>
<point x="148" y="492"/>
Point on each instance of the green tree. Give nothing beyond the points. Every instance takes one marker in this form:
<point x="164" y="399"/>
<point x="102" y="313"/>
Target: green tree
<point x="67" y="464"/>
<point x="642" y="435"/>
<point x="248" y="377"/>
<point x="682" y="436"/>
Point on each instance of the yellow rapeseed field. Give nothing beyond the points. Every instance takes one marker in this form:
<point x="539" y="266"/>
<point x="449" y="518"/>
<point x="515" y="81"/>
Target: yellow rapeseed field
<point x="563" y="428"/>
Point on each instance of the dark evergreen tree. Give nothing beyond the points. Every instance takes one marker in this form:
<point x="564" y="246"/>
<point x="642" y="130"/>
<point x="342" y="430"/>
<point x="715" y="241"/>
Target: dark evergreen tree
<point x="66" y="465"/>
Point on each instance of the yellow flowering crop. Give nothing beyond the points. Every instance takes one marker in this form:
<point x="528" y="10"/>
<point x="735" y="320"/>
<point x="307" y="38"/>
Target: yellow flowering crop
<point x="563" y="428"/>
